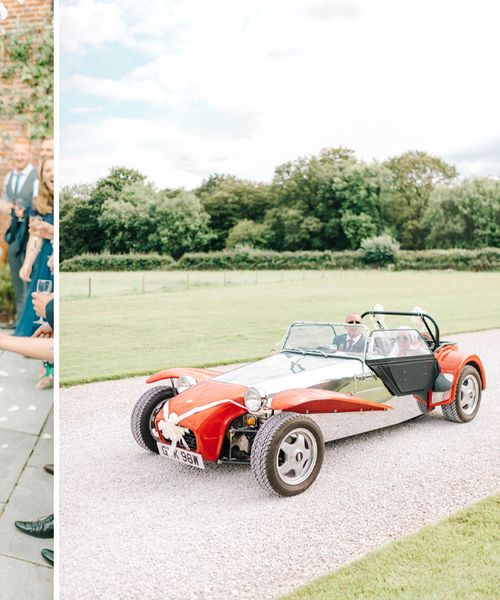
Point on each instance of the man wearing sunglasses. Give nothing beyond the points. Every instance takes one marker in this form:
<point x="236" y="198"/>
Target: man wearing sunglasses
<point x="354" y="340"/>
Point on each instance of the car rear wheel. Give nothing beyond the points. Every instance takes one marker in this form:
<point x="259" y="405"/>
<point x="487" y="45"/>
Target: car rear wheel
<point x="287" y="454"/>
<point x="467" y="397"/>
<point x="144" y="414"/>
<point x="422" y="406"/>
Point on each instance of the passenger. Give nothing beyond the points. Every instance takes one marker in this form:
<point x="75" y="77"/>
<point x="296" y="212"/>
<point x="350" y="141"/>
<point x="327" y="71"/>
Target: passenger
<point x="354" y="340"/>
<point x="407" y="343"/>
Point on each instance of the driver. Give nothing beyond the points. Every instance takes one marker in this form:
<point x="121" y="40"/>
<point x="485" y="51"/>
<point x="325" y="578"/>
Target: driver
<point x="354" y="340"/>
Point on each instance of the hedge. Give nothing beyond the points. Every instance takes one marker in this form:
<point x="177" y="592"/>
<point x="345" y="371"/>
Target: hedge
<point x="486" y="259"/>
<point x="118" y="262"/>
<point x="250" y="259"/>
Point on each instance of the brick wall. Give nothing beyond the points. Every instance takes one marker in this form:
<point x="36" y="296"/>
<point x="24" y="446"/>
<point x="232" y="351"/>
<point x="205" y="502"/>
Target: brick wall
<point x="21" y="14"/>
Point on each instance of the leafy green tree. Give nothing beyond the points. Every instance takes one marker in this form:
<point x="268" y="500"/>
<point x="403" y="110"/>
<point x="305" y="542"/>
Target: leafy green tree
<point x="249" y="233"/>
<point x="127" y="220"/>
<point x="464" y="216"/>
<point x="290" y="229"/>
<point x="329" y="192"/>
<point x="73" y="217"/>
<point x="80" y="228"/>
<point x="414" y="175"/>
<point x="181" y="225"/>
<point x="228" y="200"/>
<point x="112" y="185"/>
<point x="358" y="228"/>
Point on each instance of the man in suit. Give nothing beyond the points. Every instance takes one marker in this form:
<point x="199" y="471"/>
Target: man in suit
<point x="19" y="188"/>
<point x="354" y="340"/>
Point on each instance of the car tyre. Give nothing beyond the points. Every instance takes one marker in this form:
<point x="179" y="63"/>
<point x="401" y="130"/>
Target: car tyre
<point x="467" y="397"/>
<point x="422" y="407"/>
<point x="144" y="413"/>
<point x="287" y="454"/>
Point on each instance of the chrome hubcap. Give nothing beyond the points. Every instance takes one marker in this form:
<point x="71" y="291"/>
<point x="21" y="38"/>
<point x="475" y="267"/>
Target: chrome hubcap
<point x="469" y="395"/>
<point x="297" y="456"/>
<point x="152" y="420"/>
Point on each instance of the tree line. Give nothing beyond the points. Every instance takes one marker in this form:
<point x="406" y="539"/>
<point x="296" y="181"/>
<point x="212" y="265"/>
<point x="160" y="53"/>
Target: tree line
<point x="330" y="201"/>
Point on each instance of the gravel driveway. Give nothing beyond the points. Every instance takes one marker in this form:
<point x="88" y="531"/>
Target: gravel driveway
<point x="134" y="525"/>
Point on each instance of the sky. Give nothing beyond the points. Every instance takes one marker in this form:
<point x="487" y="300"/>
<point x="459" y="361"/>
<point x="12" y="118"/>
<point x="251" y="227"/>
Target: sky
<point x="181" y="89"/>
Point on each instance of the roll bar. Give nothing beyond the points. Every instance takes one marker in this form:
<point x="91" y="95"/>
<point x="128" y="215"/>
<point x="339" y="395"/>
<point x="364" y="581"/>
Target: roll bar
<point x="426" y="319"/>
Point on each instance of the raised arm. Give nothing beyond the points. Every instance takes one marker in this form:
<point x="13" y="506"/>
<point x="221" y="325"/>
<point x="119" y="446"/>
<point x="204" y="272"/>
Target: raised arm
<point x="39" y="348"/>
<point x="32" y="251"/>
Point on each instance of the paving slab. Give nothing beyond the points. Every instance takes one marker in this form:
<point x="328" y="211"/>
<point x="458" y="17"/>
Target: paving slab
<point x="15" y="449"/>
<point x="24" y="581"/>
<point x="26" y="491"/>
<point x="31" y="499"/>
<point x="43" y="452"/>
<point x="22" y="408"/>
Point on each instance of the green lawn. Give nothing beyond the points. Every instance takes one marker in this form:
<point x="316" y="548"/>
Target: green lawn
<point x="123" y="332"/>
<point x="457" y="558"/>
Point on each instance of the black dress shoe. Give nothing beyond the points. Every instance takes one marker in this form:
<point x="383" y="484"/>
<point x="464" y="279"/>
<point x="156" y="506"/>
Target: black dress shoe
<point x="49" y="469"/>
<point x="43" y="528"/>
<point x="48" y="555"/>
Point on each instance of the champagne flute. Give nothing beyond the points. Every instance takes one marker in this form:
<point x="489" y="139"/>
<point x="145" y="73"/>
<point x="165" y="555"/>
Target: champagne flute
<point x="43" y="286"/>
<point x="19" y="206"/>
<point x="34" y="220"/>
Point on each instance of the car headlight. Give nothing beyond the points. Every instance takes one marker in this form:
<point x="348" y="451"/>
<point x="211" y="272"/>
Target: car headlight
<point x="254" y="399"/>
<point x="184" y="383"/>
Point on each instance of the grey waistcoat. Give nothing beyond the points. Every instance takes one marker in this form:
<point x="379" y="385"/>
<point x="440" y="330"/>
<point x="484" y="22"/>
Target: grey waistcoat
<point x="26" y="192"/>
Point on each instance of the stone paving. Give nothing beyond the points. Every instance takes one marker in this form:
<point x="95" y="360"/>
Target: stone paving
<point x="26" y="490"/>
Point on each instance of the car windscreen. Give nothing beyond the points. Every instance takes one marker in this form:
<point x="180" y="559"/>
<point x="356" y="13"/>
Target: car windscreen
<point x="326" y="338"/>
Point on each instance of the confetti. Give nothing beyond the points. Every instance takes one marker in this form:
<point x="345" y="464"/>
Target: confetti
<point x="13" y="408"/>
<point x="31" y="407"/>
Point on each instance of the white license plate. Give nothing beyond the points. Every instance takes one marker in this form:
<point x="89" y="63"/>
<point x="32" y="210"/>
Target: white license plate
<point x="184" y="456"/>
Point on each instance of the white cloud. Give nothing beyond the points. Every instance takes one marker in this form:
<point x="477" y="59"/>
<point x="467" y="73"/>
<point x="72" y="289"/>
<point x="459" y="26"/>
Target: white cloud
<point x="86" y="110"/>
<point x="258" y="83"/>
<point x="90" y="23"/>
<point x="119" y="90"/>
<point x="333" y="10"/>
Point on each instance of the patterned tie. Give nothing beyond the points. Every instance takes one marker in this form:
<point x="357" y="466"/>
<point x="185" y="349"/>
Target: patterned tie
<point x="349" y="345"/>
<point x="16" y="187"/>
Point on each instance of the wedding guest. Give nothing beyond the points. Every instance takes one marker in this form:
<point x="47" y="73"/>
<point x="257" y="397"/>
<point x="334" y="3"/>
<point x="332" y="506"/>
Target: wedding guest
<point x="19" y="187"/>
<point x="39" y="248"/>
<point x="47" y="149"/>
<point x="355" y="338"/>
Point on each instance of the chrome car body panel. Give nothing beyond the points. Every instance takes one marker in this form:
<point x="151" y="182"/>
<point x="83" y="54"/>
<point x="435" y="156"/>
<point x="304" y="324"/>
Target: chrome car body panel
<point x="342" y="425"/>
<point x="288" y="370"/>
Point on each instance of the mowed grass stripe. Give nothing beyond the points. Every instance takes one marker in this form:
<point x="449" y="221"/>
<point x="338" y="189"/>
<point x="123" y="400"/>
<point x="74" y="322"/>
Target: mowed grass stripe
<point x="118" y="336"/>
<point x="456" y="558"/>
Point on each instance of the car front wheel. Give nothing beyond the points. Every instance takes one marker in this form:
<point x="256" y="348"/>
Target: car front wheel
<point x="467" y="397"/>
<point x="144" y="414"/>
<point x="287" y="454"/>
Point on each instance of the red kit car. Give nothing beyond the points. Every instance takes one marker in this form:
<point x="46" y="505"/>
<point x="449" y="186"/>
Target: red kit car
<point x="328" y="381"/>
